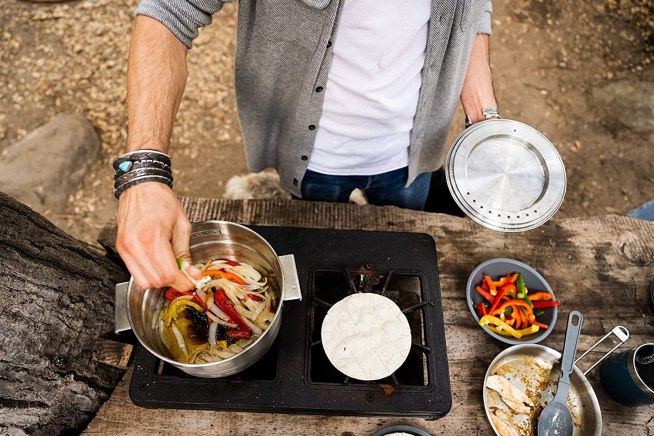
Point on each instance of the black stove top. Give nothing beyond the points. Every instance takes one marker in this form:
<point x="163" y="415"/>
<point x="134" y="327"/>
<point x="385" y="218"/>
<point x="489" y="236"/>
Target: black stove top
<point x="295" y="375"/>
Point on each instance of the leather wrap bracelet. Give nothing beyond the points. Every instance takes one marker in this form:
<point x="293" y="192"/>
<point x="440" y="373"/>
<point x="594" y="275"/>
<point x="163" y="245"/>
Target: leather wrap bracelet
<point x="141" y="166"/>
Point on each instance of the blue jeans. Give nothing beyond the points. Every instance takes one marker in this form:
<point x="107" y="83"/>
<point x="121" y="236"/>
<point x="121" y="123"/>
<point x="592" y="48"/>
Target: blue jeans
<point x="385" y="189"/>
<point x="644" y="212"/>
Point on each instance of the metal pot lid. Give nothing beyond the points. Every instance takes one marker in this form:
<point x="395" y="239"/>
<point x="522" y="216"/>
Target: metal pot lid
<point x="505" y="175"/>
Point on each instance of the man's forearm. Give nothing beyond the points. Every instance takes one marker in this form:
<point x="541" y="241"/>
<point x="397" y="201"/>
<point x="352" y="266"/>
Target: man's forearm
<point x="477" y="93"/>
<point x="156" y="79"/>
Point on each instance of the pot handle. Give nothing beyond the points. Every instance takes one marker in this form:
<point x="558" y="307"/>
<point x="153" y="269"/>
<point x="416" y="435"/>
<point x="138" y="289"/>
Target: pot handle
<point x="292" y="289"/>
<point x="121" y="321"/>
<point x="620" y="332"/>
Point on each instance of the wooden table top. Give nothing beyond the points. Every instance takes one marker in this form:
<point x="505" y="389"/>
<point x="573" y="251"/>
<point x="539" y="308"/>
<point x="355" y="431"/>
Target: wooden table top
<point x="601" y="266"/>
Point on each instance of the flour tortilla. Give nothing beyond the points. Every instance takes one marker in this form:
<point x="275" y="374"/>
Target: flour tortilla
<point x="366" y="336"/>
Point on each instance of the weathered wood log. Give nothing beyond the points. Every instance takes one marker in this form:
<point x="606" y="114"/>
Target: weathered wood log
<point x="56" y="300"/>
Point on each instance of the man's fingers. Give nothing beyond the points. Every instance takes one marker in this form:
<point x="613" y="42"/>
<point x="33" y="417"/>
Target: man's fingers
<point x="143" y="274"/>
<point x="180" y="249"/>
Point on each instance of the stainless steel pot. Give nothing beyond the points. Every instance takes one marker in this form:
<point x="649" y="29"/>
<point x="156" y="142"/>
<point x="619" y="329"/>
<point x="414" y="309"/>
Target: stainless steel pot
<point x="135" y="307"/>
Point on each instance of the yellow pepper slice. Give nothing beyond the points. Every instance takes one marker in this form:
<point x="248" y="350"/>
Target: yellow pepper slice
<point x="498" y="326"/>
<point x="499" y="331"/>
<point x="172" y="311"/>
<point x="495" y="324"/>
<point x="529" y="330"/>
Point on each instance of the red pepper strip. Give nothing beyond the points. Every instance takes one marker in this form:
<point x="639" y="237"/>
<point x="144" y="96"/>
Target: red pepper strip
<point x="540" y="296"/>
<point x="491" y="285"/>
<point x="509" y="287"/>
<point x="543" y="304"/>
<point x="515" y="302"/>
<point x="199" y="300"/>
<point x="230" y="262"/>
<point x="501" y="282"/>
<point x="238" y="334"/>
<point x="497" y="300"/>
<point x="173" y="293"/>
<point x="517" y="314"/>
<point x="513" y="277"/>
<point x="484" y="294"/>
<point x="481" y="309"/>
<point x="539" y="324"/>
<point x="510" y="321"/>
<point x="226" y="306"/>
<point x="256" y="297"/>
<point x="224" y="274"/>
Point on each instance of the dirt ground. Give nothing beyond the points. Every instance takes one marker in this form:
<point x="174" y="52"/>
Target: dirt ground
<point x="547" y="58"/>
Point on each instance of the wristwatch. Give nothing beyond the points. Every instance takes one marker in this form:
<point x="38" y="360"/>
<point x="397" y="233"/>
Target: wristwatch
<point x="488" y="113"/>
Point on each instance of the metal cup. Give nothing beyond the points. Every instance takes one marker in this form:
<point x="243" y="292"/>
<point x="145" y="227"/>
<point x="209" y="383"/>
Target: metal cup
<point x="626" y="379"/>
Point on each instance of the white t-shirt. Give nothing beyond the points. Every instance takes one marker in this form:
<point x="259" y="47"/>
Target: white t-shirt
<point x="372" y="87"/>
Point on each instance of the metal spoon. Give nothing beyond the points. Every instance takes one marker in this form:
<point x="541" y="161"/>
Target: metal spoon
<point x="556" y="419"/>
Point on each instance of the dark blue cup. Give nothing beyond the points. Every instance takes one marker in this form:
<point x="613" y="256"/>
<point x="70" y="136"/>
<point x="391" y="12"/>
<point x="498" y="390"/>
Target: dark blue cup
<point x="628" y="380"/>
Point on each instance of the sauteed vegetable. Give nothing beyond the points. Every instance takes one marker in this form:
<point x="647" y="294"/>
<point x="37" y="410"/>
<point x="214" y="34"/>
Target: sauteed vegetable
<point x="509" y="309"/>
<point x="231" y="306"/>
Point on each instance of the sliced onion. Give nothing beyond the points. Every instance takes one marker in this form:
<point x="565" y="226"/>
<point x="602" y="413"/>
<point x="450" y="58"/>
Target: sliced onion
<point x="261" y="306"/>
<point x="196" y="355"/>
<point x="244" y="315"/>
<point x="234" y="349"/>
<point x="265" y="319"/>
<point x="217" y="320"/>
<point x="213" y="331"/>
<point x="201" y="294"/>
<point x="231" y="294"/>
<point x="209" y="300"/>
<point x="253" y="306"/>
<point x="179" y="338"/>
<point x="245" y="342"/>
<point x="224" y="354"/>
<point x="247" y="272"/>
<point x="156" y="318"/>
<point x="161" y="335"/>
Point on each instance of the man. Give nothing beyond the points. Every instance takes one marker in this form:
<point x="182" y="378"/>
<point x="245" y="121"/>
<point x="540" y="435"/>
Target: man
<point x="334" y="94"/>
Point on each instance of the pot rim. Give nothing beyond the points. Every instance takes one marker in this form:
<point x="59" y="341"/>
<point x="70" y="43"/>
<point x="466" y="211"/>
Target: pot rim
<point x="631" y="366"/>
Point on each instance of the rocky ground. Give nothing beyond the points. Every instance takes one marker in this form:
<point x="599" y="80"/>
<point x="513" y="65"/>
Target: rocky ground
<point x="579" y="72"/>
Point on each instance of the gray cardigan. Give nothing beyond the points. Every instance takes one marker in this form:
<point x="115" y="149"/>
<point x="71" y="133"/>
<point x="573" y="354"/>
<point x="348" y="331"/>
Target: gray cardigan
<point x="283" y="54"/>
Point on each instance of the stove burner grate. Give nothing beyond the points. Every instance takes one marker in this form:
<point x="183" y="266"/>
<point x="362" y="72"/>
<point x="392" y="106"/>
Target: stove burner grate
<point x="331" y="286"/>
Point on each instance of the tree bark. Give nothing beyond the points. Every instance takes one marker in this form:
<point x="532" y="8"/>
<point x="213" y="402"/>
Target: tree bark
<point x="56" y="302"/>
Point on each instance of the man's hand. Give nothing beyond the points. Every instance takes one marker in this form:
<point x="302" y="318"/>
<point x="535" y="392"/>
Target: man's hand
<point x="153" y="231"/>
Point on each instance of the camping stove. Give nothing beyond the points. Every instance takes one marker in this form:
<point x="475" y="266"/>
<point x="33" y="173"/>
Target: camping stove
<point x="295" y="375"/>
